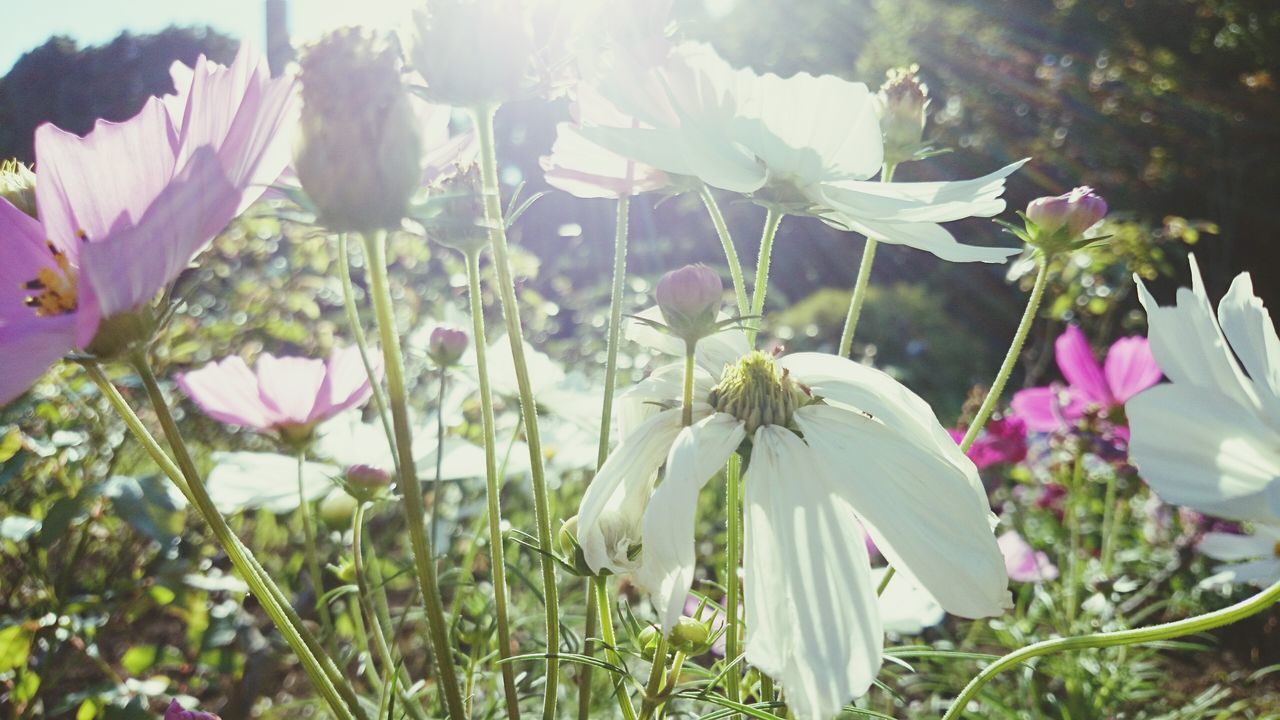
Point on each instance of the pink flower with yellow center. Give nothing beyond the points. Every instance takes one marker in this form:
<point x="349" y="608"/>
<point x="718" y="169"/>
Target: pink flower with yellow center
<point x="123" y="210"/>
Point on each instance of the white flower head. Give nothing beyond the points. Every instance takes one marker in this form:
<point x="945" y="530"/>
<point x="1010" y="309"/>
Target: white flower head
<point x="831" y="443"/>
<point x="1210" y="439"/>
<point x="805" y="144"/>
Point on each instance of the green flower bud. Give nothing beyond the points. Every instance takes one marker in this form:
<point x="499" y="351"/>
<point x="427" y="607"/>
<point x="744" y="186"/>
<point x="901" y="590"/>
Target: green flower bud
<point x="472" y="53"/>
<point x="346" y="572"/>
<point x="648" y="641"/>
<point x="690" y="636"/>
<point x="359" y="155"/>
<point x="18" y="186"/>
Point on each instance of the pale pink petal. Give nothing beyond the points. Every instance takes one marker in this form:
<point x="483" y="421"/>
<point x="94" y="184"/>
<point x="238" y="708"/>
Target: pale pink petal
<point x="346" y="384"/>
<point x="25" y="254"/>
<point x="1022" y="562"/>
<point x="1080" y="367"/>
<point x="584" y="169"/>
<point x="28" y="348"/>
<point x="1130" y="367"/>
<point x="227" y="391"/>
<point x="1049" y="408"/>
<point x="443" y="161"/>
<point x="290" y="387"/>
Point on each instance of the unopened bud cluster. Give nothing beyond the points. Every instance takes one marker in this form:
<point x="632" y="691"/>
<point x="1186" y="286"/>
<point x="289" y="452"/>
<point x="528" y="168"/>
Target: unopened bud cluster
<point x="902" y="103"/>
<point x="755" y="392"/>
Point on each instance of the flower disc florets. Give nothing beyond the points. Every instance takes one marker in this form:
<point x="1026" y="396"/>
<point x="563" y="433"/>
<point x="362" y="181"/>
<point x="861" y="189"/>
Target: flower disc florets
<point x="18" y="186"/>
<point x="754" y="391"/>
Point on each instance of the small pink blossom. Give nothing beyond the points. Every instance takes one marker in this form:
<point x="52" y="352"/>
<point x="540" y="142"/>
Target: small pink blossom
<point x="175" y="711"/>
<point x="284" y="394"/>
<point x="1129" y="369"/>
<point x="1002" y="441"/>
<point x="1023" y="563"/>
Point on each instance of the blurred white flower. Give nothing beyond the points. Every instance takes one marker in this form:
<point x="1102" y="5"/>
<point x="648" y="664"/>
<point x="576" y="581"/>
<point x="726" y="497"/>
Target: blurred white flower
<point x="1253" y="559"/>
<point x="905" y="607"/>
<point x="1210" y="439"/>
<point x="269" y="481"/>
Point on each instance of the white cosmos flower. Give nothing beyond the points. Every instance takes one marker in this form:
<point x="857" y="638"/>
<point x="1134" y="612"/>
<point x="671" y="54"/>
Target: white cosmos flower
<point x="832" y="443"/>
<point x="1253" y="559"/>
<point x="1210" y="439"/>
<point x="807" y="144"/>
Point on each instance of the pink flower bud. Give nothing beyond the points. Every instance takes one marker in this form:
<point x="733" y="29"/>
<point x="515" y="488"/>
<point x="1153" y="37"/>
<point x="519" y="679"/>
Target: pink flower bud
<point x="177" y="712"/>
<point x="690" y="296"/>
<point x="368" y="476"/>
<point x="447" y="345"/>
<point x="1076" y="211"/>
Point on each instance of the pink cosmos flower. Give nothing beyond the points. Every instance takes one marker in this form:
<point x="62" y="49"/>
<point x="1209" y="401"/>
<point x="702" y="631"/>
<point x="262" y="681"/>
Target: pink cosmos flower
<point x="285" y="394"/>
<point x="1129" y="369"/>
<point x="1003" y="440"/>
<point x="1024" y="563"/>
<point x="584" y="169"/>
<point x="123" y="210"/>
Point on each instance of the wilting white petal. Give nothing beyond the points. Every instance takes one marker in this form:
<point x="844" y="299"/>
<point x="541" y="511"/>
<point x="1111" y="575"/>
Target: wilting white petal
<point x="929" y="237"/>
<point x="905" y="607"/>
<point x="667" y="560"/>
<point x="612" y="507"/>
<point x="1200" y="448"/>
<point x="1264" y="571"/>
<point x="250" y="480"/>
<point x="1231" y="547"/>
<point x="813" y="622"/>
<point x="922" y="511"/>
<point x="931" y="202"/>
<point x="1248" y="326"/>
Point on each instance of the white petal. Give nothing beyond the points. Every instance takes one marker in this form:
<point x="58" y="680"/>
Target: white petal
<point x="712" y="353"/>
<point x="813" y="622"/>
<point x="920" y="201"/>
<point x="905" y="607"/>
<point x="1188" y="344"/>
<point x="667" y="560"/>
<point x="1248" y="326"/>
<point x="1257" y="572"/>
<point x="929" y="237"/>
<point x="612" y="507"/>
<point x="1199" y="448"/>
<point x="1230" y="546"/>
<point x="250" y="480"/>
<point x="922" y="511"/>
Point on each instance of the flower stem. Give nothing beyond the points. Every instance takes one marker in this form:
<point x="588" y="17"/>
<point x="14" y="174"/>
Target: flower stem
<point x="884" y="581"/>
<point x="493" y="487"/>
<point x="656" y="672"/>
<point x="733" y="556"/>
<point x="1155" y="633"/>
<point x="771" y="222"/>
<point x="436" y="490"/>
<point x="730" y="253"/>
<point x="686" y="406"/>
<point x="529" y="410"/>
<point x="362" y="342"/>
<point x="1011" y="357"/>
<point x="330" y="683"/>
<point x="410" y="489"/>
<point x="1072" y="509"/>
<point x="605" y="611"/>
<point x="863" y="281"/>
<point x="1113" y="516"/>
<point x="313" y="558"/>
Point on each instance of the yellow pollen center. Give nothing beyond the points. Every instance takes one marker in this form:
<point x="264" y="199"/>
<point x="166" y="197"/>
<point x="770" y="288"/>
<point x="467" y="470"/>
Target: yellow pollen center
<point x="1276" y="549"/>
<point x="754" y="391"/>
<point x="55" y="289"/>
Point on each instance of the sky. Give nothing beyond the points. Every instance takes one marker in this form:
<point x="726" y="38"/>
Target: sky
<point x="28" y="24"/>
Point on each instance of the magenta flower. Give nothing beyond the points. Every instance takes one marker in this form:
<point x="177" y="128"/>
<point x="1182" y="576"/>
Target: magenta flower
<point x="124" y="209"/>
<point x="1003" y="440"/>
<point x="1129" y="369"/>
<point x="289" y="395"/>
<point x="584" y="169"/>
<point x="175" y="711"/>
<point x="1023" y="563"/>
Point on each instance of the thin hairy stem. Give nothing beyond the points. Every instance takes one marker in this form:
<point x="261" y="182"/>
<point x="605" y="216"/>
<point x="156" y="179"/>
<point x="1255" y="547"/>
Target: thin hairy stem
<point x="730" y="252"/>
<point x="862" y="283"/>
<point x="362" y="342"/>
<point x="771" y="222"/>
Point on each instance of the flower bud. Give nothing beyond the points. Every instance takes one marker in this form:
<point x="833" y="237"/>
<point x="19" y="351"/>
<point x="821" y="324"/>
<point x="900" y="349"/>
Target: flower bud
<point x="446" y="346"/>
<point x="568" y="536"/>
<point x="470" y="52"/>
<point x="337" y="508"/>
<point x="358" y="157"/>
<point x="18" y="186"/>
<point x="368" y="476"/>
<point x="689" y="299"/>
<point x="902" y="103"/>
<point x="177" y="712"/>
<point x="648" y="641"/>
<point x="1067" y="215"/>
<point x="690" y="636"/>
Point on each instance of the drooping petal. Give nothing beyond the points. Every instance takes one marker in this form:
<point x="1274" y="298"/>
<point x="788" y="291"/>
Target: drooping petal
<point x="1230" y="546"/>
<point x="931" y="202"/>
<point x="612" y="509"/>
<point x="249" y="480"/>
<point x="1080" y="368"/>
<point x="289" y="387"/>
<point x="667" y="560"/>
<point x="584" y="169"/>
<point x="346" y="384"/>
<point x="228" y="392"/>
<point x="929" y="237"/>
<point x="1261" y="572"/>
<point x="684" y="151"/>
<point x="1248" y="326"/>
<point x="812" y="619"/>
<point x="28" y="348"/>
<point x="1049" y="408"/>
<point x="925" y="514"/>
<point x="1199" y="448"/>
<point x="905" y="607"/>
<point x="1130" y="367"/>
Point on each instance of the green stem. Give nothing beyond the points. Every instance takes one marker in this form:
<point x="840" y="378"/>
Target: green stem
<point x="771" y="222"/>
<point x="730" y="253"/>
<point x="337" y="694"/>
<point x="410" y="488"/>
<point x="313" y="558"/>
<point x="1155" y="633"/>
<point x="862" y="283"/>
<point x="1072" y="509"/>
<point x="1110" y="528"/>
<point x="437" y="491"/>
<point x="656" y="672"/>
<point x="1011" y="357"/>
<point x="686" y="407"/>
<point x="1109" y="511"/>
<point x="605" y="611"/>
<point x="362" y="342"/>
<point x="733" y="556"/>
<point x="884" y="581"/>
<point x="493" y="487"/>
<point x="528" y="409"/>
